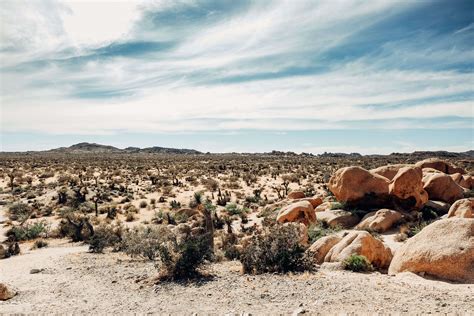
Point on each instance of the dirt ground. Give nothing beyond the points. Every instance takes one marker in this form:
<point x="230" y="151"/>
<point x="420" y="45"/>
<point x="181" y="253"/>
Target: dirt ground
<point x="71" y="280"/>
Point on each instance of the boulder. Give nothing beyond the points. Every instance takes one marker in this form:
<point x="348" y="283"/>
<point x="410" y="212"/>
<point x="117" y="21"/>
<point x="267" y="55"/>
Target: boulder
<point x="440" y="165"/>
<point x="338" y="218"/>
<point x="388" y="171"/>
<point x="323" y="207"/>
<point x="6" y="293"/>
<point x="442" y="187"/>
<point x="301" y="212"/>
<point x="357" y="186"/>
<point x="407" y="186"/>
<point x="360" y="243"/>
<point x="439" y="207"/>
<point x="465" y="181"/>
<point x="443" y="249"/>
<point x="462" y="208"/>
<point x="315" y="201"/>
<point x="293" y="195"/>
<point x="379" y="221"/>
<point x="321" y="247"/>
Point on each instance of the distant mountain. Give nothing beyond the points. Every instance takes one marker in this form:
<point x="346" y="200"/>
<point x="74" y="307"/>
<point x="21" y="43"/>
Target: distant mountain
<point x="82" y="148"/>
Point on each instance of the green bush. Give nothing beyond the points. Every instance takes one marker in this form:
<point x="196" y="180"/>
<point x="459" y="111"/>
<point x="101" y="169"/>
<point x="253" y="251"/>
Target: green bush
<point x="19" y="211"/>
<point x="234" y="209"/>
<point x="28" y="231"/>
<point x="105" y="236"/>
<point x="276" y="249"/>
<point x="320" y="230"/>
<point x="357" y="263"/>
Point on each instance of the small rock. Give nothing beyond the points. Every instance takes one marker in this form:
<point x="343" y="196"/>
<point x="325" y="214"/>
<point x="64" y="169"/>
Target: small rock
<point x="35" y="271"/>
<point x="6" y="293"/>
<point x="299" y="311"/>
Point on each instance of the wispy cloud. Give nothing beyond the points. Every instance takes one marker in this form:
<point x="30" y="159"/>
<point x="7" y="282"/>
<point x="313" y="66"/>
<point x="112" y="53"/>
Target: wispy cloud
<point x="106" y="67"/>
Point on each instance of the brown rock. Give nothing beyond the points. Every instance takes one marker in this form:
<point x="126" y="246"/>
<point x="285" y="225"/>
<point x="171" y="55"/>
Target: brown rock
<point x="443" y="249"/>
<point x="388" y="171"/>
<point x="293" y="195"/>
<point x="315" y="201"/>
<point x="462" y="208"/>
<point x="321" y="247"/>
<point x="440" y="165"/>
<point x="301" y="212"/>
<point x="323" y="207"/>
<point x="379" y="221"/>
<point x="465" y="181"/>
<point x="338" y="218"/>
<point x="356" y="185"/>
<point x="442" y="187"/>
<point x="6" y="293"/>
<point x="361" y="243"/>
<point x="407" y="185"/>
<point x="439" y="207"/>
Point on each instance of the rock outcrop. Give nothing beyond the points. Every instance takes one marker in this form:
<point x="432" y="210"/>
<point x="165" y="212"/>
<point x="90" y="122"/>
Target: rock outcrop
<point x="300" y="212"/>
<point x="388" y="171"/>
<point x="443" y="249"/>
<point x="338" y="218"/>
<point x="407" y="186"/>
<point x="440" y="165"/>
<point x="360" y="243"/>
<point x="321" y="247"/>
<point x="463" y="208"/>
<point x="442" y="187"/>
<point x="380" y="221"/>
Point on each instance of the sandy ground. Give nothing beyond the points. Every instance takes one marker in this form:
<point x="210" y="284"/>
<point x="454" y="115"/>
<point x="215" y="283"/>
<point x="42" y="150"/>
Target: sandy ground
<point x="74" y="281"/>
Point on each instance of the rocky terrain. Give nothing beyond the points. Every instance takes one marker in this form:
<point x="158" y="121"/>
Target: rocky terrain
<point x="93" y="230"/>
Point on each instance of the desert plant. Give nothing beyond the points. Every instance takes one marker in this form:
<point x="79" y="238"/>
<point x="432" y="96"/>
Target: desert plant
<point x="105" y="236"/>
<point x="276" y="249"/>
<point x="28" y="231"/>
<point x="320" y="230"/>
<point x="357" y="263"/>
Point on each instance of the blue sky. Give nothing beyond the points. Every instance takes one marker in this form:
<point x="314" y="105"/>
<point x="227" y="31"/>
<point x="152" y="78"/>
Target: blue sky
<point x="221" y="76"/>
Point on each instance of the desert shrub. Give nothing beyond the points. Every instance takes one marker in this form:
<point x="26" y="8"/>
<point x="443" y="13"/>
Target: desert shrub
<point x="18" y="211"/>
<point x="105" y="236"/>
<point x="337" y="206"/>
<point x="320" y="230"/>
<point x="196" y="200"/>
<point x="234" y="209"/>
<point x="175" y="204"/>
<point x="179" y="258"/>
<point x="276" y="249"/>
<point x="143" y="204"/>
<point x="415" y="228"/>
<point x="129" y="217"/>
<point x="40" y="243"/>
<point x="357" y="263"/>
<point x="143" y="241"/>
<point x="28" y="231"/>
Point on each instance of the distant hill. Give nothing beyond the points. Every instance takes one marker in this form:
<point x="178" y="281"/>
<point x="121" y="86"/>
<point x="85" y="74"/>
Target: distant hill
<point x="82" y="148"/>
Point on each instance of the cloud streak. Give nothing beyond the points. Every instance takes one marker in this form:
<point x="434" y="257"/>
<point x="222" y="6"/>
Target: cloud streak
<point x="184" y="66"/>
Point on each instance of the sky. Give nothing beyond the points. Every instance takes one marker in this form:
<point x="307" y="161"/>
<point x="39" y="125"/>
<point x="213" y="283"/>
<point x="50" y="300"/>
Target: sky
<point x="238" y="76"/>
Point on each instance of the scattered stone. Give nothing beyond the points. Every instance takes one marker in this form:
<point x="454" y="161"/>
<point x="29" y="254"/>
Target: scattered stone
<point x="439" y="207"/>
<point x="6" y="293"/>
<point x="35" y="271"/>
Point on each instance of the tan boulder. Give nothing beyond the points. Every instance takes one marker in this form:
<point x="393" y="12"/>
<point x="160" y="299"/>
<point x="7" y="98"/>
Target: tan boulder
<point x="388" y="171"/>
<point x="462" y="208"/>
<point x="361" y="243"/>
<point x="321" y="247"/>
<point x="443" y="249"/>
<point x="301" y="212"/>
<point x="6" y="293"/>
<point x="440" y="165"/>
<point x="323" y="207"/>
<point x="465" y="181"/>
<point x="356" y="185"/>
<point x="442" y="187"/>
<point x="379" y="221"/>
<point x="315" y="201"/>
<point x="407" y="185"/>
<point x="293" y="195"/>
<point x="338" y="218"/>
